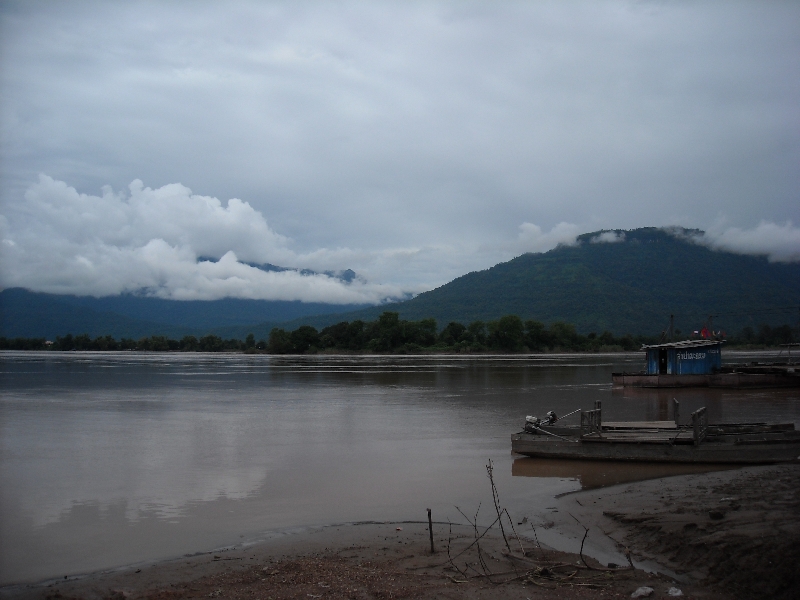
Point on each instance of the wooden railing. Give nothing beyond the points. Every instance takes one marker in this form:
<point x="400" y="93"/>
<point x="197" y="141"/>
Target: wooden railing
<point x="591" y="422"/>
<point x="699" y="425"/>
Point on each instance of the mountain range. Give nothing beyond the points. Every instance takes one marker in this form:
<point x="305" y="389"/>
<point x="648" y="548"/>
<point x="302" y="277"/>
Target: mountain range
<point x="617" y="281"/>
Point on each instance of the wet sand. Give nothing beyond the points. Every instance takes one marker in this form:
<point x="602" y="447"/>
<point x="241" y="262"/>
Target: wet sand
<point x="361" y="561"/>
<point x="737" y="531"/>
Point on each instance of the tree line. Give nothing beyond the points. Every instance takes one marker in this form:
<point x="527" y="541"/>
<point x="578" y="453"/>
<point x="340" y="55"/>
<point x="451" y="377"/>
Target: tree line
<point x="390" y="334"/>
<point x="155" y="343"/>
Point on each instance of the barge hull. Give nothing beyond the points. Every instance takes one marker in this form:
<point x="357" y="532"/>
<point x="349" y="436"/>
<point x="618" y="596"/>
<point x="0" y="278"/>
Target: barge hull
<point x="722" y="453"/>
<point x="715" y="380"/>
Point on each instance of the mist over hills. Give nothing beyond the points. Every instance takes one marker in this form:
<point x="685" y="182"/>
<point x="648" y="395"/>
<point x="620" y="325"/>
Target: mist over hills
<point x="617" y="281"/>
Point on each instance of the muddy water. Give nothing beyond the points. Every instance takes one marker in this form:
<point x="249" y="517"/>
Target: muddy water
<point x="114" y="459"/>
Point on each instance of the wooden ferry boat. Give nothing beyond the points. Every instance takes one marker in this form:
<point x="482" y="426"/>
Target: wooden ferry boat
<point x="659" y="441"/>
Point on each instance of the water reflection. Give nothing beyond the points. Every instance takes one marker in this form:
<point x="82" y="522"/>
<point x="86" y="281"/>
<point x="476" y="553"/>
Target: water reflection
<point x="595" y="473"/>
<point x="724" y="405"/>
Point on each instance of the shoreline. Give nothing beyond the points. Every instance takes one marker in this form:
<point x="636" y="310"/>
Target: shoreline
<point x="724" y="534"/>
<point x="366" y="560"/>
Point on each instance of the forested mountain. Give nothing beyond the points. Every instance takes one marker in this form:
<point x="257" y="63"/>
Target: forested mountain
<point x="30" y="314"/>
<point x="629" y="286"/>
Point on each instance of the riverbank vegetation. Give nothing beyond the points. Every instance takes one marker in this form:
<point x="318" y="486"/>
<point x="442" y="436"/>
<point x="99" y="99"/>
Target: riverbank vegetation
<point x="391" y="335"/>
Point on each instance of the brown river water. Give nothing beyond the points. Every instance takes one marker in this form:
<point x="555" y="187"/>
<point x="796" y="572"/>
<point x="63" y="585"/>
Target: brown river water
<point x="111" y="459"/>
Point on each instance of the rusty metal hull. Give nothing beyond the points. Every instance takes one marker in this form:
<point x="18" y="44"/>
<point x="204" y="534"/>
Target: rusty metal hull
<point x="722" y="452"/>
<point x="715" y="380"/>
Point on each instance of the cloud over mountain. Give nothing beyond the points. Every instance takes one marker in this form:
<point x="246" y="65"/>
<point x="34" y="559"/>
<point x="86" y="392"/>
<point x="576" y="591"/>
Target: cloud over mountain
<point x="171" y="243"/>
<point x="780" y="243"/>
<point x="151" y="241"/>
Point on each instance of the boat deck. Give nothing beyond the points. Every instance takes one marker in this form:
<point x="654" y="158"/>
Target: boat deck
<point x="642" y="437"/>
<point x="639" y="425"/>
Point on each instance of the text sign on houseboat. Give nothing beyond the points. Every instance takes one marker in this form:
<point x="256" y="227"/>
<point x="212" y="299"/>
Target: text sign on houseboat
<point x="689" y="357"/>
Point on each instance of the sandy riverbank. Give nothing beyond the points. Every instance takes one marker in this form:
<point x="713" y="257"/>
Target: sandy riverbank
<point x="365" y="561"/>
<point x="736" y="531"/>
<point x="733" y="534"/>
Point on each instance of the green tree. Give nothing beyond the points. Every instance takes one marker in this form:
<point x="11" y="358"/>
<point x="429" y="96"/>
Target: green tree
<point x="420" y="334"/>
<point x="279" y="342"/>
<point x="387" y="332"/>
<point x="83" y="342"/>
<point x="507" y="333"/>
<point x="564" y="336"/>
<point x="537" y="338"/>
<point x="452" y="333"/>
<point x="304" y="339"/>
<point x="211" y="343"/>
<point x="189" y="343"/>
<point x="477" y="332"/>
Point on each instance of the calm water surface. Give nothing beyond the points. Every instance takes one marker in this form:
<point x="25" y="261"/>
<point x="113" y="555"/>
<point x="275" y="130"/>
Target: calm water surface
<point x="118" y="458"/>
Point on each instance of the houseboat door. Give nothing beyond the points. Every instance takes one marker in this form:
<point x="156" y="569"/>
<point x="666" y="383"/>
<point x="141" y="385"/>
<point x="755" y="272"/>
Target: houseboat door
<point x="662" y="361"/>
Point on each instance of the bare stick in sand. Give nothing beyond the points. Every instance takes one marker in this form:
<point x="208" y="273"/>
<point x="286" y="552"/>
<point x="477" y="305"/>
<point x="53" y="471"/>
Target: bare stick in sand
<point x="430" y="530"/>
<point x="497" y="504"/>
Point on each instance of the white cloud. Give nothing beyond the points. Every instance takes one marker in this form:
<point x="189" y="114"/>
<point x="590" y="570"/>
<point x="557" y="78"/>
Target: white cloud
<point x="608" y="237"/>
<point x="154" y="241"/>
<point x="533" y="239"/>
<point x="780" y="243"/>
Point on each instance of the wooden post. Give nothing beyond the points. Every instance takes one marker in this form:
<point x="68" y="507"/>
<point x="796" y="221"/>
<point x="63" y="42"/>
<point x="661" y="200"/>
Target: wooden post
<point x="699" y="425"/>
<point x="430" y="530"/>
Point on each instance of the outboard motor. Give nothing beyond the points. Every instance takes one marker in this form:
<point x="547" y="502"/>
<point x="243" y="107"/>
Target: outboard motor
<point x="532" y="423"/>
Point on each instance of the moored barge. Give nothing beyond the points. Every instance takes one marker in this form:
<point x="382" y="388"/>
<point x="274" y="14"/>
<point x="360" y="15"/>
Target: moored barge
<point x="660" y="441"/>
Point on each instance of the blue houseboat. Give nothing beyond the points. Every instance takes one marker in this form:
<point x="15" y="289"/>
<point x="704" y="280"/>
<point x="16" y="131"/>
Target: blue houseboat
<point x="698" y="363"/>
<point x="690" y="357"/>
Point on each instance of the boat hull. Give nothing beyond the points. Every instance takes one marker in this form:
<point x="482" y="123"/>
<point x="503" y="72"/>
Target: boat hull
<point x="730" y="452"/>
<point x="715" y="380"/>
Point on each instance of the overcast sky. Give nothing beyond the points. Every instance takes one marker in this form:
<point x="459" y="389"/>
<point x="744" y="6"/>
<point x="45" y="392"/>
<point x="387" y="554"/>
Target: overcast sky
<point x="412" y="141"/>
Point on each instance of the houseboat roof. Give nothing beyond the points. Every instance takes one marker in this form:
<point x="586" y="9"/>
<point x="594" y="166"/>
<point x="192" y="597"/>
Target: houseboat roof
<point x="684" y="344"/>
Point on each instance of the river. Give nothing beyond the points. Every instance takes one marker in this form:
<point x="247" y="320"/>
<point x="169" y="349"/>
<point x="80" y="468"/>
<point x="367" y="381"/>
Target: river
<point x="110" y="459"/>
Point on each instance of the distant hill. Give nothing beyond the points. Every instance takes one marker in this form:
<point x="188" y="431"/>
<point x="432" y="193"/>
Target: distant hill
<point x="29" y="314"/>
<point x="630" y="286"/>
<point x="32" y="315"/>
<point x="206" y="315"/>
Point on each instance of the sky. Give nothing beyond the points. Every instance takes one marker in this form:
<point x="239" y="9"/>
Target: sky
<point x="163" y="148"/>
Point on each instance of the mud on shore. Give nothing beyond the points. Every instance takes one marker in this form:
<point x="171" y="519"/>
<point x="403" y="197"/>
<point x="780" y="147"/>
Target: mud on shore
<point x="372" y="561"/>
<point x="734" y="531"/>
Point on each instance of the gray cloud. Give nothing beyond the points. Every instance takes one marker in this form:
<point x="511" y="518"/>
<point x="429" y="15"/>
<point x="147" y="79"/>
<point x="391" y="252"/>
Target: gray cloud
<point x="780" y="243"/>
<point x="410" y="141"/>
